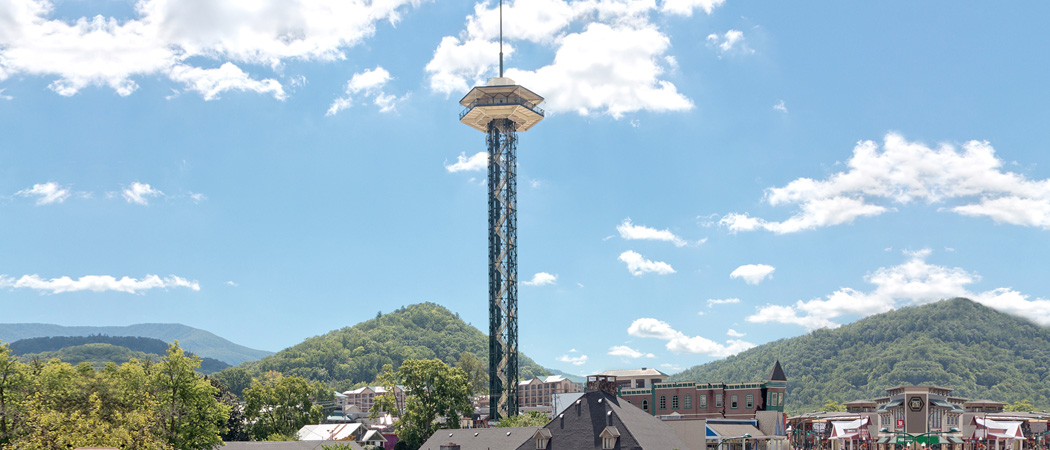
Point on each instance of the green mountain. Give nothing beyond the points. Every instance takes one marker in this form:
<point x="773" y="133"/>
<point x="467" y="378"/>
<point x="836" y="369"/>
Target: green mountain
<point x="200" y="342"/>
<point x="99" y="349"/>
<point x="979" y="352"/>
<point x="355" y="355"/>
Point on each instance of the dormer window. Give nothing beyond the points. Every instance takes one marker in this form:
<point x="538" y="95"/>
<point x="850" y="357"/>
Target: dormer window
<point x="542" y="438"/>
<point x="609" y="436"/>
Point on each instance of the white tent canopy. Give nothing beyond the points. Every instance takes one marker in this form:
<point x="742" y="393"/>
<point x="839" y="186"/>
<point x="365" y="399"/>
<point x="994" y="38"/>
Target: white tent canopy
<point x="998" y="429"/>
<point x="849" y="429"/>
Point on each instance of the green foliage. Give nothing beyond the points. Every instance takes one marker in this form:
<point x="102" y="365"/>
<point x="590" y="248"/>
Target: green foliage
<point x="959" y="344"/>
<point x="433" y="389"/>
<point x="832" y="406"/>
<point x="529" y="419"/>
<point x="56" y="405"/>
<point x="278" y="406"/>
<point x="1020" y="406"/>
<point x="356" y="354"/>
<point x="477" y="374"/>
<point x="337" y="447"/>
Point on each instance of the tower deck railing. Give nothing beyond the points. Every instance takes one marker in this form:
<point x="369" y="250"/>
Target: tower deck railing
<point x="532" y="106"/>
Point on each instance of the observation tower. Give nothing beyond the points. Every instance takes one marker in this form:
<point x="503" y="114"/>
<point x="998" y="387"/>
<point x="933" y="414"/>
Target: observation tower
<point x="501" y="109"/>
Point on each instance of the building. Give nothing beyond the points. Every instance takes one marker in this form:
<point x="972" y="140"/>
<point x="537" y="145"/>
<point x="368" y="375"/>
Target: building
<point x="538" y="392"/>
<point x="929" y="417"/>
<point x="479" y="438"/>
<point x="363" y="398"/>
<point x="636" y="378"/>
<point x="601" y="420"/>
<point x="694" y="400"/>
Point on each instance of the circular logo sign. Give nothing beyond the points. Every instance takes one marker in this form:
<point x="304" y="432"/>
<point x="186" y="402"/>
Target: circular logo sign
<point x="916" y="404"/>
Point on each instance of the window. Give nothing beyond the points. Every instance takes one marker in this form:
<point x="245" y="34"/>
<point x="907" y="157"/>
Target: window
<point x="732" y="401"/>
<point x="718" y="400"/>
<point x="674" y="402"/>
<point x="663" y="402"/>
<point x="645" y="405"/>
<point x="639" y="383"/>
<point x="703" y="401"/>
<point x="541" y="443"/>
<point x="608" y="443"/>
<point x="750" y="401"/>
<point x="772" y="399"/>
<point x="780" y="399"/>
<point x="688" y="401"/>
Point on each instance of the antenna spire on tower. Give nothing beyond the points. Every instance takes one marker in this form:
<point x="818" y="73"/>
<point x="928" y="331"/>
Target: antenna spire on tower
<point x="501" y="38"/>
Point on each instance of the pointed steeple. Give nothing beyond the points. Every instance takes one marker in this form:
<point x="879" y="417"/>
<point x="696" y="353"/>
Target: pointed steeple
<point x="778" y="373"/>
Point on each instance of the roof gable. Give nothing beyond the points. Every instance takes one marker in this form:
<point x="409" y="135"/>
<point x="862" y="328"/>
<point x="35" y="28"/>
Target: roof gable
<point x="778" y="373"/>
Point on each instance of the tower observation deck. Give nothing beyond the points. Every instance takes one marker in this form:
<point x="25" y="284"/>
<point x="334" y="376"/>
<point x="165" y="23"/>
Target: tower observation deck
<point x="500" y="109"/>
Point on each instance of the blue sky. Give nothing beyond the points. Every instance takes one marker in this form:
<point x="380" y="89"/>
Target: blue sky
<point x="711" y="175"/>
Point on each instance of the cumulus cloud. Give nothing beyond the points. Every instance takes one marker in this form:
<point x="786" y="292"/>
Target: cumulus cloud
<point x="479" y="161"/>
<point x="686" y="7"/>
<point x="678" y="342"/>
<point x="46" y="193"/>
<point x="541" y="279"/>
<point x="609" y="57"/>
<point x="780" y="107"/>
<point x="628" y="352"/>
<point x="638" y="265"/>
<point x="183" y="40"/>
<point x="574" y="360"/>
<point x="735" y="333"/>
<point x="732" y="42"/>
<point x="139" y="193"/>
<point x="369" y="84"/>
<point x="631" y="231"/>
<point x="914" y="282"/>
<point x="753" y="273"/>
<point x="902" y="172"/>
<point x="721" y="301"/>
<point x="96" y="283"/>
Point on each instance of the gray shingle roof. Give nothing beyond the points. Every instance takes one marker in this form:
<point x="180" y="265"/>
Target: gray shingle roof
<point x="481" y="438"/>
<point x="289" y="445"/>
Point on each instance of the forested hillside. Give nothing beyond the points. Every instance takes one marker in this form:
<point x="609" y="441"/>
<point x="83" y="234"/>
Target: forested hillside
<point x="356" y="354"/>
<point x="957" y="343"/>
<point x="99" y="349"/>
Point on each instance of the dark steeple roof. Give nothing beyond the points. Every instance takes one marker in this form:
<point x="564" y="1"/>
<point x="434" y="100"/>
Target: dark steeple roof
<point x="778" y="373"/>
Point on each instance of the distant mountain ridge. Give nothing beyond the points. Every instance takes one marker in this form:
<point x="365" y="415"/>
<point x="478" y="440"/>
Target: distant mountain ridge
<point x="979" y="352"/>
<point x="200" y="342"/>
<point x="99" y="349"/>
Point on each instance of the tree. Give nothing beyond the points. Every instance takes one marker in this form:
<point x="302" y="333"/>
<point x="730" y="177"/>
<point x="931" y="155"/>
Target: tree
<point x="279" y="406"/>
<point x="476" y="373"/>
<point x="189" y="415"/>
<point x="832" y="406"/>
<point x="432" y="390"/>
<point x="530" y="419"/>
<point x="14" y="381"/>
<point x="1020" y="406"/>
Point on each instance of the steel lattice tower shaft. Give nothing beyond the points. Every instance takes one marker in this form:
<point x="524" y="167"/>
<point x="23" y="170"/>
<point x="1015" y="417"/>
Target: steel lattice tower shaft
<point x="503" y="268"/>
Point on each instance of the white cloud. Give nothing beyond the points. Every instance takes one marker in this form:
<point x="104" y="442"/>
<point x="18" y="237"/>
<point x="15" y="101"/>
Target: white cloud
<point x="369" y="83"/>
<point x="138" y="193"/>
<point x="46" y="193"/>
<point x="732" y="42"/>
<point x="541" y="279"/>
<point x="638" y="265"/>
<point x="197" y="197"/>
<point x="96" y="283"/>
<point x="2" y="95"/>
<point x="628" y="352"/>
<point x="686" y="7"/>
<point x="903" y="172"/>
<point x="609" y="57"/>
<point x="735" y="333"/>
<point x="166" y="35"/>
<point x="753" y="273"/>
<point x="912" y="283"/>
<point x="678" y="342"/>
<point x="574" y="360"/>
<point x="780" y="107"/>
<point x="479" y="161"/>
<point x="721" y="301"/>
<point x="631" y="231"/>
<point x="231" y="283"/>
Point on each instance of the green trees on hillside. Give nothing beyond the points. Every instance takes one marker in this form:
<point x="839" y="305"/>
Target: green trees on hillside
<point x="959" y="344"/>
<point x="137" y="405"/>
<point x="277" y="406"/>
<point x="353" y="355"/>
